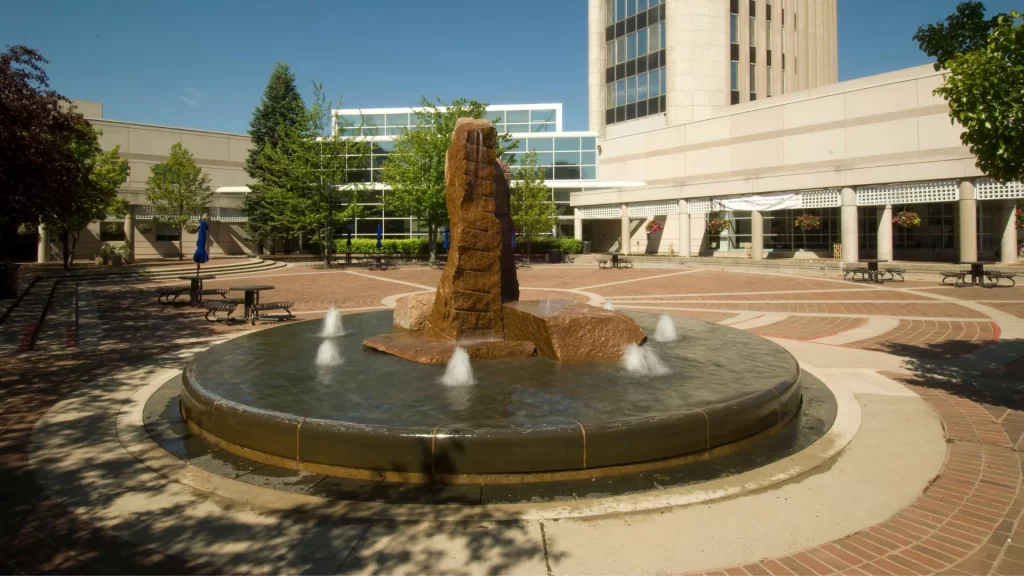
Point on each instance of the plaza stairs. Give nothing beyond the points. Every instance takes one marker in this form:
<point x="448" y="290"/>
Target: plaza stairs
<point x="145" y="274"/>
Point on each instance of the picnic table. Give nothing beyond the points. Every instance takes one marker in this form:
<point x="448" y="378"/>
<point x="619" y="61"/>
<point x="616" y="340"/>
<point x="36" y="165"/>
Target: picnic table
<point x="872" y="274"/>
<point x="251" y="302"/>
<point x="195" y="289"/>
<point x="978" y="272"/>
<point x="616" y="261"/>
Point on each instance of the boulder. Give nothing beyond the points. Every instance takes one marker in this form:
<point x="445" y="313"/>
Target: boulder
<point x="411" y="312"/>
<point x="416" y="348"/>
<point x="566" y="330"/>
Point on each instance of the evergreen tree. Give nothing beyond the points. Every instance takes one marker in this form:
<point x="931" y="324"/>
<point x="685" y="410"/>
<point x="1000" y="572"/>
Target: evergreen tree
<point x="533" y="212"/>
<point x="281" y="112"/>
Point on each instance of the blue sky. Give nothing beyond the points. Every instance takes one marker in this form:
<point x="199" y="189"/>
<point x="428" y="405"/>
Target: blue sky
<point x="204" y="64"/>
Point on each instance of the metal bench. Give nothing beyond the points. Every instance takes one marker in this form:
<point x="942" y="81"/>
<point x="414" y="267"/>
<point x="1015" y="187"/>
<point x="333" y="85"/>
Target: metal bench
<point x="603" y="263"/>
<point x="227" y="306"/>
<point x="957" y="276"/>
<point x="266" y="306"/>
<point x="995" y="276"/>
<point x="522" y="263"/>
<point x="168" y="294"/>
<point x="625" y="263"/>
<point x="851" y="273"/>
<point x="222" y="292"/>
<point x="894" y="272"/>
<point x="438" y="264"/>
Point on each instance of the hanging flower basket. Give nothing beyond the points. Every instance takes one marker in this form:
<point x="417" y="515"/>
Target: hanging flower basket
<point x="654" y="227"/>
<point x="192" y="228"/>
<point x="717" y="226"/>
<point x="907" y="219"/>
<point x="144" y="228"/>
<point x="112" y="227"/>
<point x="807" y="222"/>
<point x="1020" y="218"/>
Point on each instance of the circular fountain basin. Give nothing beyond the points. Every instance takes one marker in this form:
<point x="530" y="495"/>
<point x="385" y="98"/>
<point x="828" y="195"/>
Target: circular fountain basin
<point x="373" y="415"/>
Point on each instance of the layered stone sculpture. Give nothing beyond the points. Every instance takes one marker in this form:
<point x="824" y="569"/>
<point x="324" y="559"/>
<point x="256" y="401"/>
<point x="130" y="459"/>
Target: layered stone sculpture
<point x="566" y="330"/>
<point x="476" y="303"/>
<point x="480" y="274"/>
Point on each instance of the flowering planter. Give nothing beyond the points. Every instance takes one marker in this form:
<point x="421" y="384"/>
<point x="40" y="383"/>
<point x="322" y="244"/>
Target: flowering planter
<point x="907" y="219"/>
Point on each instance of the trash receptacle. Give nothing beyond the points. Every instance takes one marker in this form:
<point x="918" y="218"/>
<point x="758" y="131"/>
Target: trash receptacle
<point x="555" y="256"/>
<point x="8" y="280"/>
<point x="586" y="246"/>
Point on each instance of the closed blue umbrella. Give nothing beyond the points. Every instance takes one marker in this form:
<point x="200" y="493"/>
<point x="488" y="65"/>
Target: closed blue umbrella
<point x="380" y="236"/>
<point x="447" y="240"/>
<point x="201" y="256"/>
<point x="348" y="241"/>
<point x="514" y="239"/>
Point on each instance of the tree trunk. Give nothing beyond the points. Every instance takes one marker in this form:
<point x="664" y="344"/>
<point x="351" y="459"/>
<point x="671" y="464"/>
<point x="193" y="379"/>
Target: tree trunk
<point x="432" y="242"/>
<point x="181" y="243"/>
<point x="74" y="246"/>
<point x="65" y="248"/>
<point x="527" y="249"/>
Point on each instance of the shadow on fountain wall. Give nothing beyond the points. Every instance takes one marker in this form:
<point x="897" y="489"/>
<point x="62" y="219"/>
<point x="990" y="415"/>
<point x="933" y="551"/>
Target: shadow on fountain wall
<point x="37" y="534"/>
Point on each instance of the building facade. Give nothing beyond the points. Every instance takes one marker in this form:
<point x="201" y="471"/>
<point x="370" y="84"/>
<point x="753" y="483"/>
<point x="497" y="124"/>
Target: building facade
<point x="569" y="159"/>
<point x="854" y="154"/>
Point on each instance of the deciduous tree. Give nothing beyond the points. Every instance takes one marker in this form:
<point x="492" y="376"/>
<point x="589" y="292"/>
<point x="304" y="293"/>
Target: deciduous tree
<point x="984" y="86"/>
<point x="414" y="171"/>
<point x="178" y="190"/>
<point x="533" y="212"/>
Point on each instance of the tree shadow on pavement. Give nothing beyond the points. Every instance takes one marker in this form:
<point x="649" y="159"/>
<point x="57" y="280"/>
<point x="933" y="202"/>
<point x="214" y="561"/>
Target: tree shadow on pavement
<point x="163" y="527"/>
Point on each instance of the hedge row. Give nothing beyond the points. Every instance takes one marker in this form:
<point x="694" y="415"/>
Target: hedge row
<point x="418" y="246"/>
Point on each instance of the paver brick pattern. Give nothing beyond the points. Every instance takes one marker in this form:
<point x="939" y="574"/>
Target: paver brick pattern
<point x="968" y="521"/>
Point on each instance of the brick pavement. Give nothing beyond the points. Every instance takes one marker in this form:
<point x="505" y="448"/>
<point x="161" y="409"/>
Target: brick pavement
<point x="966" y="522"/>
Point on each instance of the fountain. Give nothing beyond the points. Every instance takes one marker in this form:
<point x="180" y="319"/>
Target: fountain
<point x="332" y="324"/>
<point x="546" y="397"/>
<point x="666" y="329"/>
<point x="642" y="361"/>
<point x="609" y="306"/>
<point x="458" y="372"/>
<point x="327" y="354"/>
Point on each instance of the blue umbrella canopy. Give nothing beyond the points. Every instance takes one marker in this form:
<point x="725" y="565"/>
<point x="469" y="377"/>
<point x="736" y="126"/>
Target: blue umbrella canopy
<point x="380" y="236"/>
<point x="447" y="238"/>
<point x="201" y="256"/>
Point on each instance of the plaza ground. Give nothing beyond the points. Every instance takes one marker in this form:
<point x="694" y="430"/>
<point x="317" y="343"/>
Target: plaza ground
<point x="925" y="475"/>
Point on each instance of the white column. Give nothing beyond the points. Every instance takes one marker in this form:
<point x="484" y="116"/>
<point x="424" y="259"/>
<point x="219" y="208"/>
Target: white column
<point x="596" y="22"/>
<point x="1008" y="245"/>
<point x="756" y="235"/>
<point x="43" y="250"/>
<point x="129" y="233"/>
<point x="684" y="230"/>
<point x="625" y="235"/>
<point x="848" y="217"/>
<point x="885" y="232"/>
<point x="967" y="233"/>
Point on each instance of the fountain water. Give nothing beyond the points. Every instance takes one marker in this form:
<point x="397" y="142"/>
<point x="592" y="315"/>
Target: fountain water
<point x="327" y="354"/>
<point x="642" y="361"/>
<point x="332" y="324"/>
<point x="608" y="306"/>
<point x="458" y="372"/>
<point x="666" y="329"/>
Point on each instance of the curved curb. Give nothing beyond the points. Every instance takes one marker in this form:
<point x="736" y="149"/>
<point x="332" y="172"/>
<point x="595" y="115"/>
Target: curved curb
<point x="136" y="441"/>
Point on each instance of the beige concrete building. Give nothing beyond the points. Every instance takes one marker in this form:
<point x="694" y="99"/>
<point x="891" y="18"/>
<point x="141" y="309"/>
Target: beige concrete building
<point x="852" y="155"/>
<point x="219" y="154"/>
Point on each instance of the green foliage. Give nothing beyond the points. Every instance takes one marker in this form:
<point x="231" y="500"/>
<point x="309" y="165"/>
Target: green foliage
<point x="570" y="245"/>
<point x="178" y="190"/>
<point x="964" y="31"/>
<point x="533" y="212"/>
<point x="985" y="93"/>
<point x="307" y="176"/>
<point x="92" y="179"/>
<point x="281" y="111"/>
<point x="405" y="247"/>
<point x="415" y="169"/>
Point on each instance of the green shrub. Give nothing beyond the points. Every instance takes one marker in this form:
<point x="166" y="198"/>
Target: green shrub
<point x="404" y="247"/>
<point x="570" y="245"/>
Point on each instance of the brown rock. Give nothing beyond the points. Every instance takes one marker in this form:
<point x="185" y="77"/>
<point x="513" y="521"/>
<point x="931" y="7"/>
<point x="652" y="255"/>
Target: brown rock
<point x="425" y="350"/>
<point x="480" y="274"/>
<point x="411" y="312"/>
<point x="567" y="330"/>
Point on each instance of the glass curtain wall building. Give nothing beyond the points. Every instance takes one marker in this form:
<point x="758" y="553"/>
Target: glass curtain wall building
<point x="635" y="80"/>
<point x="569" y="159"/>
